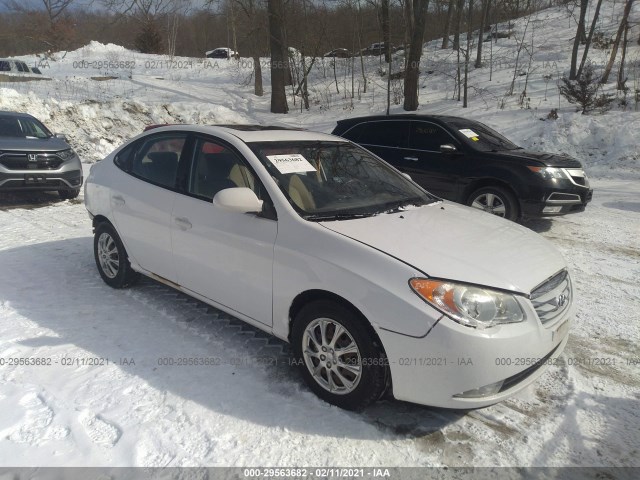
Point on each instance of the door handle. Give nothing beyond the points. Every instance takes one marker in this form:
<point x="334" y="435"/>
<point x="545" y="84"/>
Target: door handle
<point x="118" y="200"/>
<point x="183" y="223"/>
<point x="413" y="159"/>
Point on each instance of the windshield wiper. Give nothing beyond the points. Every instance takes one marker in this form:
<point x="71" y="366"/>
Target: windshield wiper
<point x="318" y="217"/>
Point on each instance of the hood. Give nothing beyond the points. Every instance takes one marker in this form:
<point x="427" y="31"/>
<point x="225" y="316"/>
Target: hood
<point x="18" y="144"/>
<point x="450" y="241"/>
<point x="548" y="159"/>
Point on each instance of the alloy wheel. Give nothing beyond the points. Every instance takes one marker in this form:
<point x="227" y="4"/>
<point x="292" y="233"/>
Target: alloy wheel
<point x="491" y="203"/>
<point x="332" y="356"/>
<point x="108" y="255"/>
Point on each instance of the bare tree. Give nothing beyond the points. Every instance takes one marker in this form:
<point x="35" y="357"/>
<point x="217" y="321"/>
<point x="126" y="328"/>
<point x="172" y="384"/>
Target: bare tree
<point x="589" y="38"/>
<point x="279" y="61"/>
<point x="484" y="16"/>
<point x="412" y="72"/>
<point x="447" y="24"/>
<point x="616" y="42"/>
<point x="251" y="10"/>
<point x="576" y="42"/>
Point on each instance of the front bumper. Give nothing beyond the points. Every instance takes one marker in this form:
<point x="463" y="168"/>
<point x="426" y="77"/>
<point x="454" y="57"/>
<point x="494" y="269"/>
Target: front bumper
<point x="455" y="366"/>
<point x="556" y="197"/>
<point x="40" y="180"/>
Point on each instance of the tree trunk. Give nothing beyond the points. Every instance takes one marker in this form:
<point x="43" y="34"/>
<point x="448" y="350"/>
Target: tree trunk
<point x="483" y="19"/>
<point x="458" y="26"/>
<point x="622" y="79"/>
<point x="279" y="62"/>
<point x="467" y="55"/>
<point x="386" y="38"/>
<point x="616" y="43"/>
<point x="577" y="40"/>
<point x="257" y="74"/>
<point x="447" y="24"/>
<point x="412" y="72"/>
<point x="589" y="38"/>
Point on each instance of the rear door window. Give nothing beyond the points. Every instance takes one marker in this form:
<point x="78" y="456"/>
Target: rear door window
<point x="385" y="133"/>
<point x="156" y="161"/>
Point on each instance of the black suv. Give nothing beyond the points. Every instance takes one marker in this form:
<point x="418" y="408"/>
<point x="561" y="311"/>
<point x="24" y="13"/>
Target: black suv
<point x="467" y="162"/>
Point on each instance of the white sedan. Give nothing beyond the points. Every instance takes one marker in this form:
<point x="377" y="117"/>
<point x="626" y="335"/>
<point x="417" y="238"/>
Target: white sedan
<point x="378" y="285"/>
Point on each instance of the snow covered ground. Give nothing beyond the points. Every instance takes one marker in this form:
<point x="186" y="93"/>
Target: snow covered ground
<point x="104" y="396"/>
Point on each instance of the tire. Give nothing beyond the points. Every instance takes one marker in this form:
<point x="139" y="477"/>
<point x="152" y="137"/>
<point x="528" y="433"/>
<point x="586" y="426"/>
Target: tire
<point x="495" y="200"/>
<point x="351" y="380"/>
<point x="111" y="258"/>
<point x="69" y="194"/>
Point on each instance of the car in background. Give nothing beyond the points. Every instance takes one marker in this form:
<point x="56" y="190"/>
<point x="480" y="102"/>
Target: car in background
<point x="378" y="285"/>
<point x="377" y="49"/>
<point x="467" y="162"/>
<point x="222" y="52"/>
<point x="13" y="66"/>
<point x="33" y="158"/>
<point x="338" y="53"/>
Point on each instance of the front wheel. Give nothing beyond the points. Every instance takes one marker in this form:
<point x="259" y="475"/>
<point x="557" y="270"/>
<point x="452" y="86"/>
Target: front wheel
<point x="495" y="200"/>
<point x="340" y="360"/>
<point x="111" y="258"/>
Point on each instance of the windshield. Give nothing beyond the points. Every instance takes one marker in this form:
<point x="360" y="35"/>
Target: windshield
<point x="481" y="137"/>
<point x="336" y="180"/>
<point x="22" y="127"/>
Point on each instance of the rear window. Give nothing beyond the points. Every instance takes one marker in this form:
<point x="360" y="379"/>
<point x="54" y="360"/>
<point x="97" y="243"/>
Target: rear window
<point x="5" y="66"/>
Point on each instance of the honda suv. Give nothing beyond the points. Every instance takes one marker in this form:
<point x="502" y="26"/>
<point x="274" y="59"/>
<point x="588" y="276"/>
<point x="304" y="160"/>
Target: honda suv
<point x="33" y="158"/>
<point x="467" y="162"/>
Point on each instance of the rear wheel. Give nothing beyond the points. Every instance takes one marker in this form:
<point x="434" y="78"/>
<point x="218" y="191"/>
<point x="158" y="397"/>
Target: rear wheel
<point x="69" y="194"/>
<point x="495" y="200"/>
<point x="340" y="360"/>
<point x="111" y="258"/>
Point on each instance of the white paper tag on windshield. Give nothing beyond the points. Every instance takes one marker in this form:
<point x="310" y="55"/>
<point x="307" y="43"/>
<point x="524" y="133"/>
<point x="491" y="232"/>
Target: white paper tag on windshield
<point x="291" y="163"/>
<point x="467" y="132"/>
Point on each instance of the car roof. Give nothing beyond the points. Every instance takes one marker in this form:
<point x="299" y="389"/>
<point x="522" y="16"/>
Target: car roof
<point x="403" y="116"/>
<point x="255" y="133"/>
<point x="15" y="114"/>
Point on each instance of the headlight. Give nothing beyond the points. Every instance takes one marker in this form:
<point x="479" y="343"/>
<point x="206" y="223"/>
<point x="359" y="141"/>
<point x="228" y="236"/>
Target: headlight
<point x="66" y="154"/>
<point x="549" y="172"/>
<point x="470" y="306"/>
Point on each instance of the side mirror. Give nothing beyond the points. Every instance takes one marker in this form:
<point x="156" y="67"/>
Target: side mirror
<point x="239" y="200"/>
<point x="61" y="136"/>
<point x="448" y="149"/>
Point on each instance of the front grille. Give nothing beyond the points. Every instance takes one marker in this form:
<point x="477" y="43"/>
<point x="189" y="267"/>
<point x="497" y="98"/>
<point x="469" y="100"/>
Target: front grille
<point x="20" y="161"/>
<point x="553" y="297"/>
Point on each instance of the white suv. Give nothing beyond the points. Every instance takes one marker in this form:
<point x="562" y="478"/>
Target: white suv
<point x="377" y="284"/>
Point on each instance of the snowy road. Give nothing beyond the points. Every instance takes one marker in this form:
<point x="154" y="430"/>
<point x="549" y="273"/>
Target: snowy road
<point x="117" y="404"/>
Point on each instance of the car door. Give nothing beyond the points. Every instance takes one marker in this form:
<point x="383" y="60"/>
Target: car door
<point x="433" y="170"/>
<point x="224" y="256"/>
<point x="142" y="198"/>
<point x="385" y="138"/>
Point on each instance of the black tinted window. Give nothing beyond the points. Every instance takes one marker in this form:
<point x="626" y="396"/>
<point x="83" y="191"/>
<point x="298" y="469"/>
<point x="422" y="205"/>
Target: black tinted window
<point x="124" y="157"/>
<point x="157" y="159"/>
<point x="4" y="66"/>
<point x="428" y="136"/>
<point x="215" y="168"/>
<point x="385" y="134"/>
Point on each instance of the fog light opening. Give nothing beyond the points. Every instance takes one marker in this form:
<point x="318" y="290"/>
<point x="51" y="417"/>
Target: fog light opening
<point x="485" y="391"/>
<point x="551" y="209"/>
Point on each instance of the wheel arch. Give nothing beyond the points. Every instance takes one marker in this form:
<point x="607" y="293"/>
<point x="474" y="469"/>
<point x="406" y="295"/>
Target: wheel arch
<point x="313" y="295"/>
<point x="490" y="182"/>
<point x="98" y="219"/>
